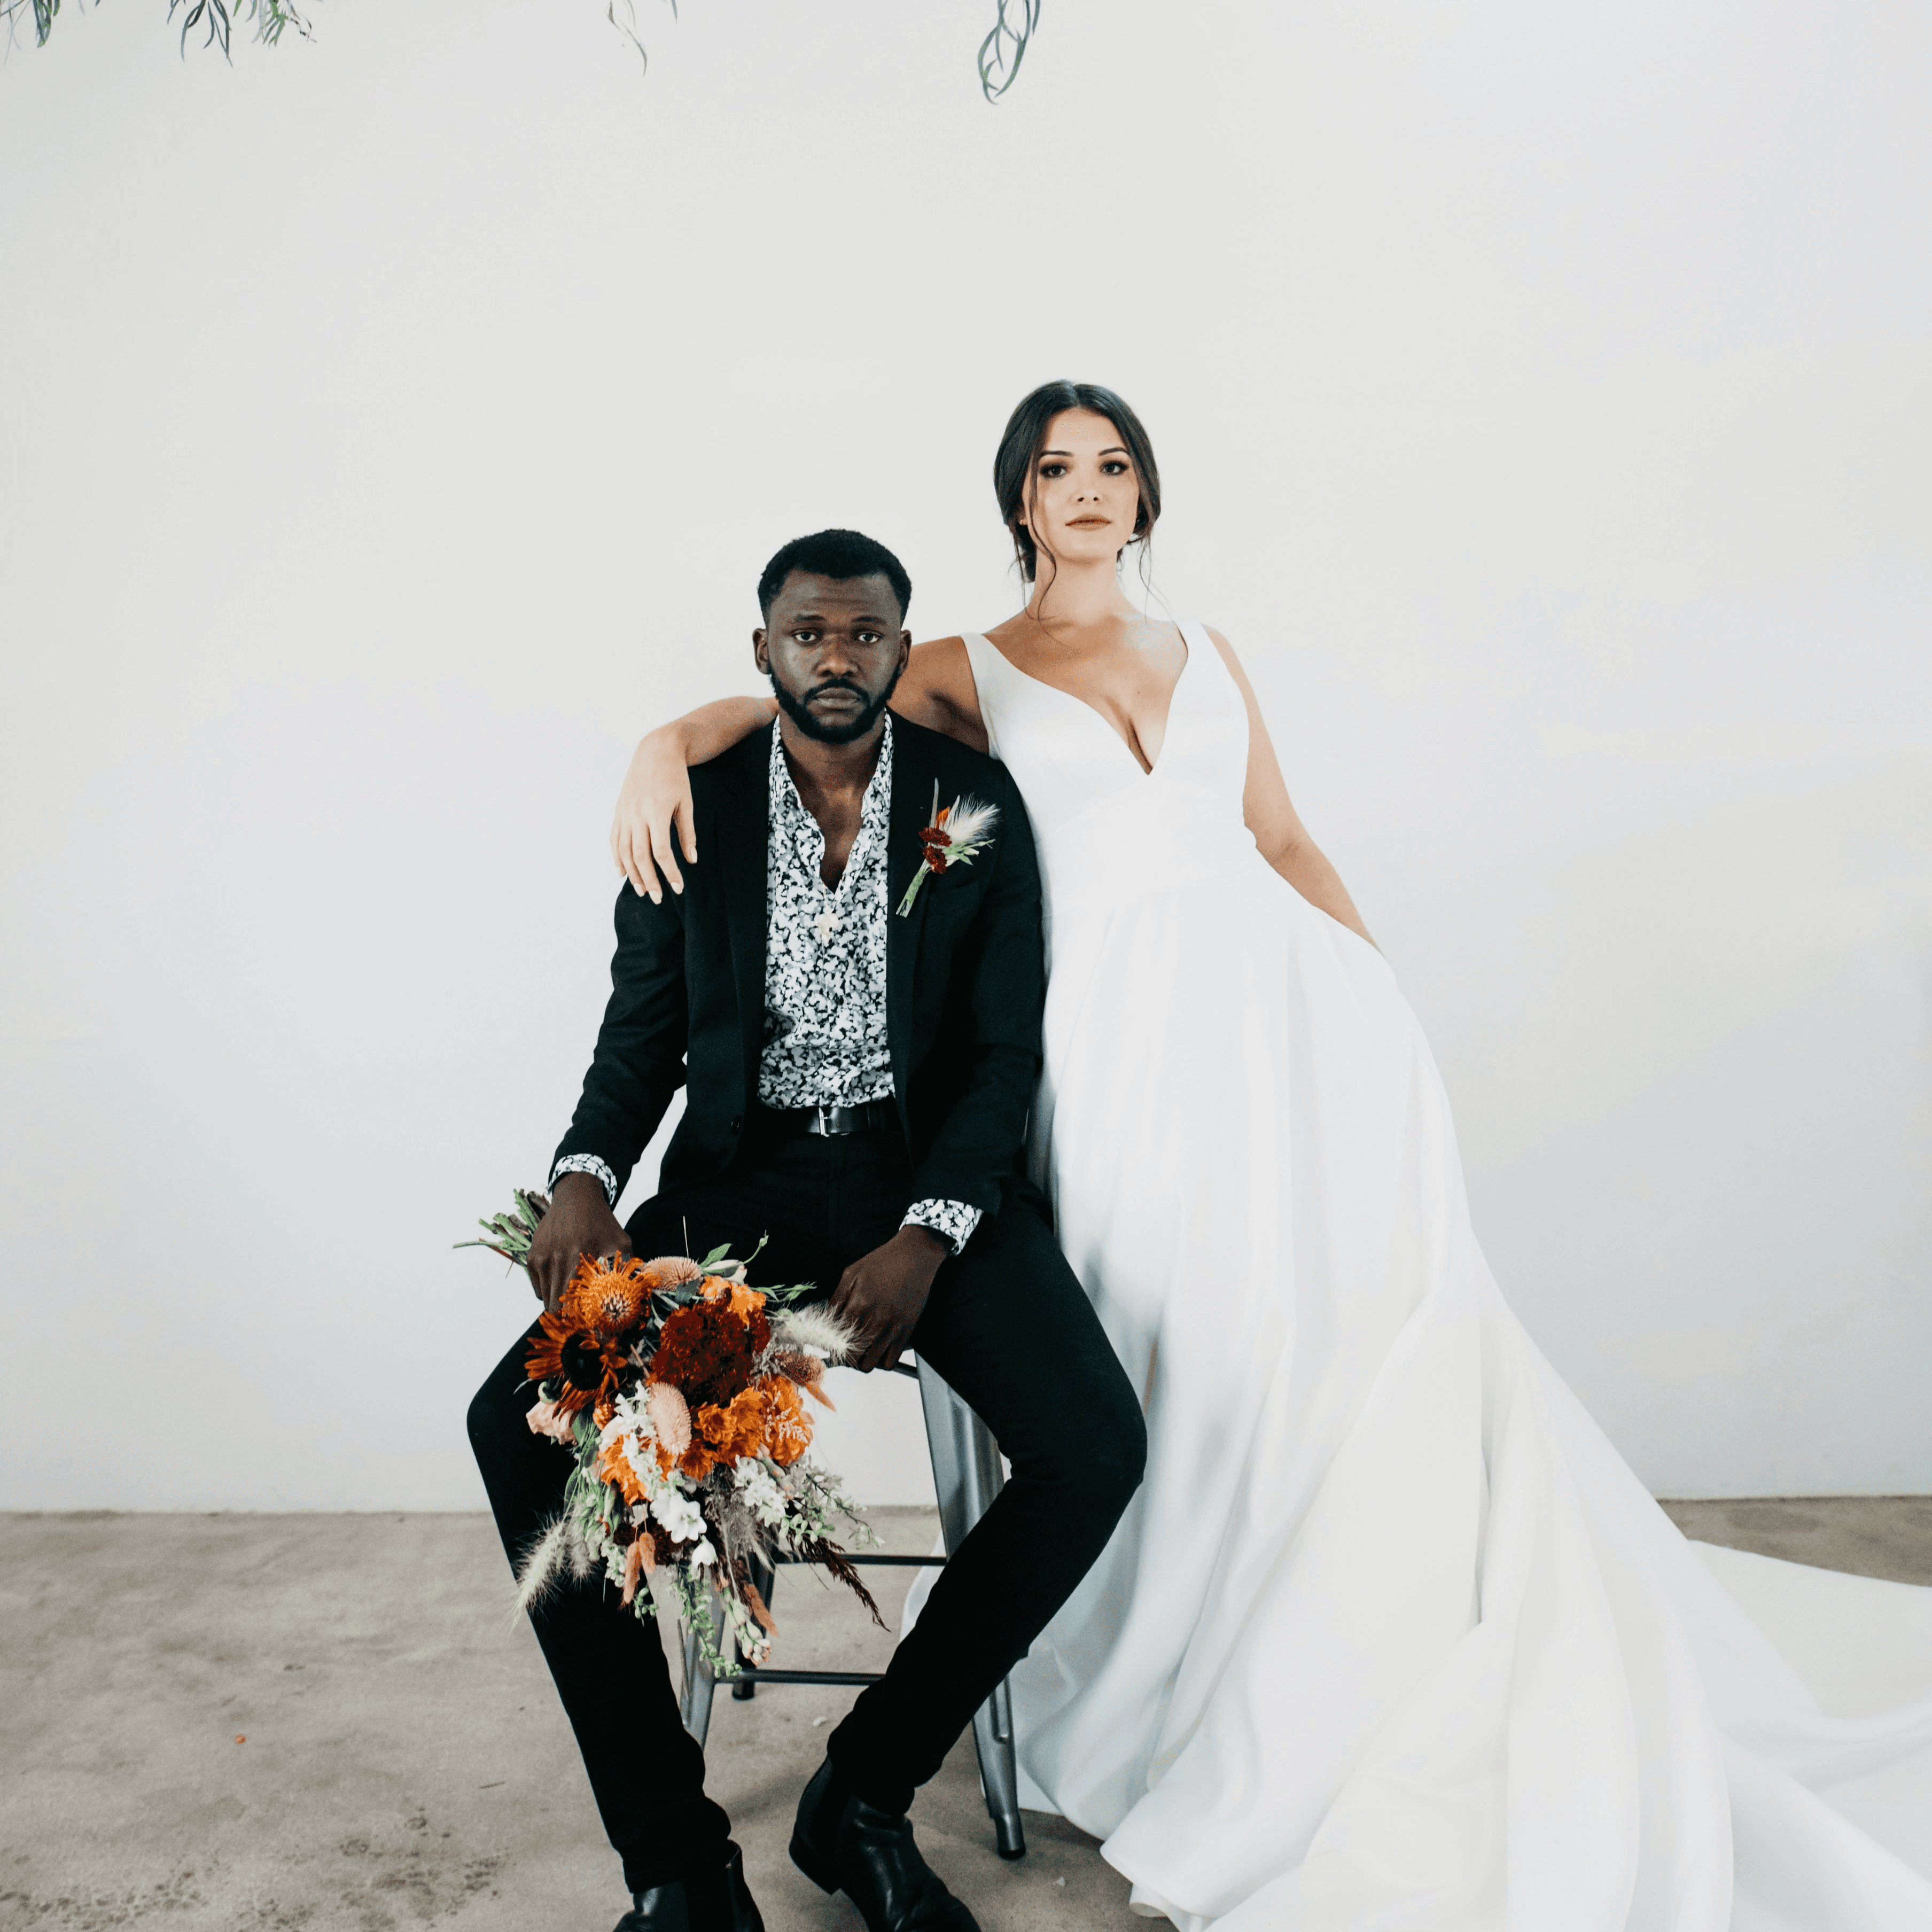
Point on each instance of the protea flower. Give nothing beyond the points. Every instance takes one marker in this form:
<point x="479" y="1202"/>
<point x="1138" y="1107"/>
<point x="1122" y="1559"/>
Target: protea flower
<point x="606" y="1298"/>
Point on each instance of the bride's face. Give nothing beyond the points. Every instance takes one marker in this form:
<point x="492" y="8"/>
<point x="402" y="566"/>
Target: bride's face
<point x="1083" y="495"/>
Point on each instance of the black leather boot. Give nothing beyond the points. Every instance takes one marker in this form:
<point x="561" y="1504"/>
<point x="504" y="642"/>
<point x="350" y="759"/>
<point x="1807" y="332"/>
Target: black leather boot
<point x="847" y="1845"/>
<point x="718" y="1901"/>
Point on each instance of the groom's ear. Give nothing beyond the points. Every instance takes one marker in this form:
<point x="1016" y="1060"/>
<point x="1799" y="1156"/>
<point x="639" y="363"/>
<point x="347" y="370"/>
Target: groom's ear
<point x="761" y="655"/>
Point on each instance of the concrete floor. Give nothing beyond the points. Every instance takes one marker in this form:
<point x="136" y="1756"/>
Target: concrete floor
<point x="405" y="1762"/>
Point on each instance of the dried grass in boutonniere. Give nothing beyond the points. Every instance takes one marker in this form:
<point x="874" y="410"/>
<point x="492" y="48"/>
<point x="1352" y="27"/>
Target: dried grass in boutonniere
<point x="957" y="833"/>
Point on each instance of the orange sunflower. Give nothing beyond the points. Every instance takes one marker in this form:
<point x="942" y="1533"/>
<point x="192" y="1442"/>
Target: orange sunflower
<point x="562" y="1353"/>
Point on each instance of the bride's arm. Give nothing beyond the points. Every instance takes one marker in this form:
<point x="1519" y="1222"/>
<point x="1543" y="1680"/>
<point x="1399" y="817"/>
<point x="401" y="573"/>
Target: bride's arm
<point x="937" y="692"/>
<point x="1271" y="817"/>
<point x="653" y="820"/>
<point x="656" y="793"/>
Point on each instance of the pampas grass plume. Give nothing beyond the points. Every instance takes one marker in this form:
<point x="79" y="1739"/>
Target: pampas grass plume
<point x="538" y="1573"/>
<point x="816" y="1328"/>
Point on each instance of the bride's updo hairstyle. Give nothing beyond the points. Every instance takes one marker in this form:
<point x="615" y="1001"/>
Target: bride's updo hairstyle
<point x="1025" y="437"/>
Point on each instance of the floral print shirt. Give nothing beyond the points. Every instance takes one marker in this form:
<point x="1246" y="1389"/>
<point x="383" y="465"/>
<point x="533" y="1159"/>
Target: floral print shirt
<point x="825" y="1039"/>
<point x="825" y="1042"/>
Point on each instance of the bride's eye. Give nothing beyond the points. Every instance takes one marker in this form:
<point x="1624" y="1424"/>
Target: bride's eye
<point x="1053" y="470"/>
<point x="1114" y="466"/>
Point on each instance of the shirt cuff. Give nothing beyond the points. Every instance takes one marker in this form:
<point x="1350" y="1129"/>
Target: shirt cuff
<point x="586" y="1163"/>
<point x="952" y="1219"/>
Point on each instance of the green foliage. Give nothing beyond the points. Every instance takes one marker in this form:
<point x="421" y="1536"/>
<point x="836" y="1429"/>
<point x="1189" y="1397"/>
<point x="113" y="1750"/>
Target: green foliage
<point x="514" y="1231"/>
<point x="1000" y="53"/>
<point x="217" y="18"/>
<point x="270" y="16"/>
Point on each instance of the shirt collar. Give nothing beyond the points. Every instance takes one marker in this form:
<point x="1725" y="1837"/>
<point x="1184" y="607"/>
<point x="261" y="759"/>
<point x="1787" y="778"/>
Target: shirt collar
<point x="802" y="830"/>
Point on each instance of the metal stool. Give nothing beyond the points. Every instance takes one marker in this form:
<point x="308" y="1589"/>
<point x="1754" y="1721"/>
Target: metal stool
<point x="966" y="1472"/>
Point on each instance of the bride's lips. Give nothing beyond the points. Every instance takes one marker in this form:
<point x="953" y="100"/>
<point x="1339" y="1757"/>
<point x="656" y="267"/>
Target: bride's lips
<point x="1086" y="523"/>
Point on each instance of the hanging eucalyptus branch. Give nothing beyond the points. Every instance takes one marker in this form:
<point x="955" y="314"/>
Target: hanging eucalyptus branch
<point x="272" y="18"/>
<point x="1000" y="53"/>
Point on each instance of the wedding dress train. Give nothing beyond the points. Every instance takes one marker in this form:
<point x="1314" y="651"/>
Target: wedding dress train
<point x="1390" y="1637"/>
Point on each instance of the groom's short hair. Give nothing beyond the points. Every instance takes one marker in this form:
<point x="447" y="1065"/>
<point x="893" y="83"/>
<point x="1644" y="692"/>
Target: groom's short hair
<point x="838" y="554"/>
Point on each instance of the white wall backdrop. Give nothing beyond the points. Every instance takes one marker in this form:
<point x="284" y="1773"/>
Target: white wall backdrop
<point x="394" y="425"/>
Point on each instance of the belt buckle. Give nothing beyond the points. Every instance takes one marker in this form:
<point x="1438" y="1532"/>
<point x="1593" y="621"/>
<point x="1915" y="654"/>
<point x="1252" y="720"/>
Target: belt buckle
<point x="821" y="1124"/>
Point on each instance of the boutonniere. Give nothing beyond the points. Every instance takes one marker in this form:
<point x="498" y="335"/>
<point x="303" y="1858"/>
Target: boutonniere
<point x="957" y="835"/>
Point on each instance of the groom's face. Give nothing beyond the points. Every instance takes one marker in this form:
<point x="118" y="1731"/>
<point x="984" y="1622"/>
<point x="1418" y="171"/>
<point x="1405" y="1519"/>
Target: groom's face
<point x="833" y="649"/>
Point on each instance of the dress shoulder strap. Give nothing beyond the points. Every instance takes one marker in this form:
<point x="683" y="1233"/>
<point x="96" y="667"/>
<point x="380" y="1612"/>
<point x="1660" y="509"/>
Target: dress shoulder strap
<point x="1205" y="663"/>
<point x="1199" y="644"/>
<point x="986" y="665"/>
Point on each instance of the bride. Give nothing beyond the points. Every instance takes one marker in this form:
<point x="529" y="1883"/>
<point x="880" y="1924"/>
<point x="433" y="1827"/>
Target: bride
<point x="1390" y="1636"/>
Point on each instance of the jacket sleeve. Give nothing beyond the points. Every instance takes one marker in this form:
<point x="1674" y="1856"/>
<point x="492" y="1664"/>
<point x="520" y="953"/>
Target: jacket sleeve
<point x="639" y="1064"/>
<point x="1001" y="972"/>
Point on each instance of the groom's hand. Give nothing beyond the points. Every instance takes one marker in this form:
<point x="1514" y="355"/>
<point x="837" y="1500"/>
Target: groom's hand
<point x="883" y="1294"/>
<point x="579" y="1222"/>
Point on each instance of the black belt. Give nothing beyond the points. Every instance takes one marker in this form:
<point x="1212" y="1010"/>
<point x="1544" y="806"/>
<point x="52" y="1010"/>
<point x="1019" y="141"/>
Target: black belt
<point x="869" y="1116"/>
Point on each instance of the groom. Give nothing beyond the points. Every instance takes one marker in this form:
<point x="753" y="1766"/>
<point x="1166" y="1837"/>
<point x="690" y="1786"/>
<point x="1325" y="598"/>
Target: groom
<point x="857" y="1085"/>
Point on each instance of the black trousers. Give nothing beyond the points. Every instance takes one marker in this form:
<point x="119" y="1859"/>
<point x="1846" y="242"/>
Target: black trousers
<point x="1009" y="1326"/>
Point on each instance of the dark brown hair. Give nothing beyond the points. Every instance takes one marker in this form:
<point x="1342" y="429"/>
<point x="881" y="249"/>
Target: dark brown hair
<point x="1025" y="437"/>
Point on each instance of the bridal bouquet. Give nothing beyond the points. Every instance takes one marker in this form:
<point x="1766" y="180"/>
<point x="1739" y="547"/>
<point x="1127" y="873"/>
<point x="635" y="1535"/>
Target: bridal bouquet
<point x="679" y="1389"/>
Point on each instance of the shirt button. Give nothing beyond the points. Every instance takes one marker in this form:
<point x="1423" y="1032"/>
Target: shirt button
<point x="737" y="1124"/>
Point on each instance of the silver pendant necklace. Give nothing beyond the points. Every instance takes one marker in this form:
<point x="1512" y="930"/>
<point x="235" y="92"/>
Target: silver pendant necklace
<point x="826" y="921"/>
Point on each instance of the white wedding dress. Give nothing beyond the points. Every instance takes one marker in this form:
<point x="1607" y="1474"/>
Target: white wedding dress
<point x="1390" y="1636"/>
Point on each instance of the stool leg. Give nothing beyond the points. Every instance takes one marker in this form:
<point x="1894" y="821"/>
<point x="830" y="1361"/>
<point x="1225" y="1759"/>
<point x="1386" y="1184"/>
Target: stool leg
<point x="695" y="1705"/>
<point x="966" y="1473"/>
<point x="999" y="1773"/>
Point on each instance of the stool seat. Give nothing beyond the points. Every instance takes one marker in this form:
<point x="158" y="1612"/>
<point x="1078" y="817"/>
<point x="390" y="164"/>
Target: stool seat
<point x="967" y="1475"/>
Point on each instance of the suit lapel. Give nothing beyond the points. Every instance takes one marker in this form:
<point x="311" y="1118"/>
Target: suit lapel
<point x="911" y="805"/>
<point x="744" y="836"/>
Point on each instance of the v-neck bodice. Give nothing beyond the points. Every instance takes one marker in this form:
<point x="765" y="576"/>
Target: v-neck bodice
<point x="1104" y="825"/>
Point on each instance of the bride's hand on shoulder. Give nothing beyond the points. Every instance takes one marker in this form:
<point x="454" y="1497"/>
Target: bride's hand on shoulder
<point x="653" y="823"/>
<point x="653" y="816"/>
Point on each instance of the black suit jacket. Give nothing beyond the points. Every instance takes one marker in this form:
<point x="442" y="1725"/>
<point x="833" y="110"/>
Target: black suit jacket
<point x="965" y="984"/>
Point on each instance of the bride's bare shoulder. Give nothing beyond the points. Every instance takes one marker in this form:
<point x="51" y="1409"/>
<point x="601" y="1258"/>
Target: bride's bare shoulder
<point x="937" y="692"/>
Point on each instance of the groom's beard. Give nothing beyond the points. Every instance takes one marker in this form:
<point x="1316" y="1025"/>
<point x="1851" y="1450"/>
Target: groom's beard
<point x="855" y="726"/>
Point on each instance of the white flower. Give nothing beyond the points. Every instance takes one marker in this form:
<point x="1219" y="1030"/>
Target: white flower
<point x="682" y="1518"/>
<point x="759" y="1493"/>
<point x="643" y="1464"/>
<point x="703" y="1553"/>
<point x="637" y="1409"/>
